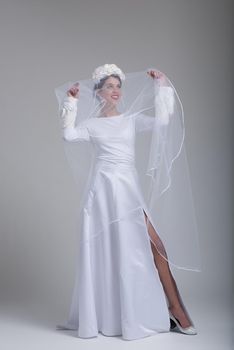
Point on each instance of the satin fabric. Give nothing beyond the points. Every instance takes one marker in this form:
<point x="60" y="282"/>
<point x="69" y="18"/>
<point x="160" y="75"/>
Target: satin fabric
<point x="117" y="290"/>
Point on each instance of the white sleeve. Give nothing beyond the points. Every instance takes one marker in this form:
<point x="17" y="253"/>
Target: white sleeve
<point x="143" y="122"/>
<point x="68" y="115"/>
<point x="164" y="103"/>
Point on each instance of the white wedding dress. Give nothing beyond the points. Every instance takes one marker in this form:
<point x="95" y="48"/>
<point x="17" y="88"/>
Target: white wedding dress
<point x="117" y="290"/>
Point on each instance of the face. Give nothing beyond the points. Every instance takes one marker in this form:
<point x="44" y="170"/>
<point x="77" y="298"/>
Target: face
<point x="111" y="91"/>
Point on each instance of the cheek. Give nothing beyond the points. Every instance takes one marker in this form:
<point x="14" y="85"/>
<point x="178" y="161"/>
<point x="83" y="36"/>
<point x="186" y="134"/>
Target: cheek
<point x="102" y="95"/>
<point x="106" y="94"/>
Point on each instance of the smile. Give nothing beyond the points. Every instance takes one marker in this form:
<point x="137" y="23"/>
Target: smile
<point x="115" y="97"/>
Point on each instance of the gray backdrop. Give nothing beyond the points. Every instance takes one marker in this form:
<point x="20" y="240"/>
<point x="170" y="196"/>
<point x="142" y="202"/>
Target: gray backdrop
<point x="46" y="43"/>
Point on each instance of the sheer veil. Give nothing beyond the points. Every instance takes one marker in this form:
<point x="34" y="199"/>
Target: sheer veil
<point x="160" y="160"/>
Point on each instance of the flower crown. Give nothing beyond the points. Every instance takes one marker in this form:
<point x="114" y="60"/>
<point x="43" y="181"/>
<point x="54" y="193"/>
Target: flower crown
<point x="106" y="70"/>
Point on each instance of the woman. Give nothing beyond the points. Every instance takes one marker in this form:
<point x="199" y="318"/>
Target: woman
<point x="124" y="285"/>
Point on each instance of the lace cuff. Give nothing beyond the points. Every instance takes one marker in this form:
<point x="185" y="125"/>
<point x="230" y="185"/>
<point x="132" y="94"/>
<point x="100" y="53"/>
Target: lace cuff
<point x="164" y="104"/>
<point x="68" y="111"/>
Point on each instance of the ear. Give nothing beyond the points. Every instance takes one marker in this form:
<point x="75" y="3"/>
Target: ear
<point x="98" y="96"/>
<point x="98" y="92"/>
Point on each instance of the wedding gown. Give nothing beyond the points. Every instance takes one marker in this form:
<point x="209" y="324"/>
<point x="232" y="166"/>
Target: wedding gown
<point x="117" y="289"/>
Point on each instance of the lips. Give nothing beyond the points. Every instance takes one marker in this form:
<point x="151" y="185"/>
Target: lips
<point x="115" y="97"/>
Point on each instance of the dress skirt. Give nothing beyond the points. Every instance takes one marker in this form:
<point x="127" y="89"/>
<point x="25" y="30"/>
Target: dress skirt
<point x="117" y="289"/>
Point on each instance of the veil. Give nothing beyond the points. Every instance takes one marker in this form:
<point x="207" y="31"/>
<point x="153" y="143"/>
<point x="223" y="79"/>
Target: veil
<point x="160" y="160"/>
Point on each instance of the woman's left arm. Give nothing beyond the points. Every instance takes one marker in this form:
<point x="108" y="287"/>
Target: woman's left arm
<point x="164" y="94"/>
<point x="164" y="104"/>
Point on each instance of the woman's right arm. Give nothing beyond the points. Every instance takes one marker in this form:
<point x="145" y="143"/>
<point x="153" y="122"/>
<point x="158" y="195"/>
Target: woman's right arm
<point x="68" y="114"/>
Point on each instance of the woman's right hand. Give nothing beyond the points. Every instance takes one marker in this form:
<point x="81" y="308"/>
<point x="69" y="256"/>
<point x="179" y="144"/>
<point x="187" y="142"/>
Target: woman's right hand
<point x="74" y="91"/>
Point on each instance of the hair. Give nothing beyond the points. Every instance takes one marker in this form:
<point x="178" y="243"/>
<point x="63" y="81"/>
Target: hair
<point x="100" y="84"/>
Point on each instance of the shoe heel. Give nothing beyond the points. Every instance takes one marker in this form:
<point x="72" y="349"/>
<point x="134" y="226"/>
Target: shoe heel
<point x="172" y="324"/>
<point x="175" y="324"/>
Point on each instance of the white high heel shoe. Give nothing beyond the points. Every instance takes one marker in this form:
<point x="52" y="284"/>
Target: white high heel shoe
<point x="176" y="325"/>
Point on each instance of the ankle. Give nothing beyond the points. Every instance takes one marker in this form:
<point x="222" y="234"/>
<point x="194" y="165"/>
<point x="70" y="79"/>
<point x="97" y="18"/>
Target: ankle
<point x="175" y="307"/>
<point x="178" y="312"/>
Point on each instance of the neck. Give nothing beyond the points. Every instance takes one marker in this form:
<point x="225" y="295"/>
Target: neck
<point x="109" y="112"/>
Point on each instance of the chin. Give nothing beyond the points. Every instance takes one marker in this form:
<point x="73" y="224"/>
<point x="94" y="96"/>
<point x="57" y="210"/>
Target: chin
<point x="115" y="102"/>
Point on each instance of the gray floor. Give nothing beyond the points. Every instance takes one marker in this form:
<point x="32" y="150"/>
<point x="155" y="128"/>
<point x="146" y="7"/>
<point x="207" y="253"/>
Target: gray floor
<point x="33" y="327"/>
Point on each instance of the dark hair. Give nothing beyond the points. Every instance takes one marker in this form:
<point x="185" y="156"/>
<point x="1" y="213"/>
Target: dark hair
<point x="100" y="84"/>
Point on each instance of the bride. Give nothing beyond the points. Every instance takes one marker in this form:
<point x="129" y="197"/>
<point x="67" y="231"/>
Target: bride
<point x="124" y="285"/>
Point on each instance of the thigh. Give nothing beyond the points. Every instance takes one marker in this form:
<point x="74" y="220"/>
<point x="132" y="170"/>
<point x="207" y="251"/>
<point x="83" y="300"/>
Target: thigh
<point x="154" y="237"/>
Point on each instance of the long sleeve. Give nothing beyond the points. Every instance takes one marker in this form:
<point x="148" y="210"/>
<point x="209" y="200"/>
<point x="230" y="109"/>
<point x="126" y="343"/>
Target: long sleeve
<point x="143" y="122"/>
<point x="68" y="115"/>
<point x="164" y="104"/>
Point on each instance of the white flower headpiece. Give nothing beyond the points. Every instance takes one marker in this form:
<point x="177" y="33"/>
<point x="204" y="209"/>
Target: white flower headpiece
<point x="106" y="70"/>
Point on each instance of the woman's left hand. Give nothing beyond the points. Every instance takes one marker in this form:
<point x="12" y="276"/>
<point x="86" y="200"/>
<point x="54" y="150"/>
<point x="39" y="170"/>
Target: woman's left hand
<point x="157" y="75"/>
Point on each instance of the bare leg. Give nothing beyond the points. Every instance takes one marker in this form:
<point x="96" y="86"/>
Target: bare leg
<point x="168" y="282"/>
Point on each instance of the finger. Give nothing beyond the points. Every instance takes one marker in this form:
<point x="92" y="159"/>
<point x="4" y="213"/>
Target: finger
<point x="74" y="90"/>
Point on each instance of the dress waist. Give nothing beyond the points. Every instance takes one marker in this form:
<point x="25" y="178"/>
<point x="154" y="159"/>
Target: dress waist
<point x="115" y="163"/>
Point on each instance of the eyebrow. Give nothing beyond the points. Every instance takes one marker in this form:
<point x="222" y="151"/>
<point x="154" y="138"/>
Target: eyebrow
<point x="113" y="84"/>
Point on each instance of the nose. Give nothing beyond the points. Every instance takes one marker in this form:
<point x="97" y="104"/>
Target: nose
<point x="116" y="90"/>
